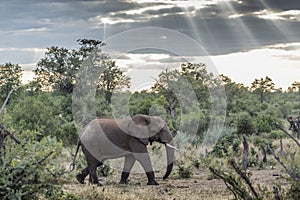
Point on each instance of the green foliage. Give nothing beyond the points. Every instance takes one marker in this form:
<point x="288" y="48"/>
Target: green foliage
<point x="245" y="124"/>
<point x="105" y="170"/>
<point x="45" y="113"/>
<point x="265" y="123"/>
<point x="58" y="69"/>
<point x="196" y="163"/>
<point x="294" y="191"/>
<point x="185" y="171"/>
<point x="189" y="84"/>
<point x="10" y="78"/>
<point x="275" y="134"/>
<point x="226" y="146"/>
<point x="195" y="119"/>
<point x="262" y="86"/>
<point x="112" y="80"/>
<point x="25" y="168"/>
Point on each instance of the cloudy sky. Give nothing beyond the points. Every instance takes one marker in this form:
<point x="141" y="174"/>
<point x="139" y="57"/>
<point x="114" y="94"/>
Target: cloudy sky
<point x="243" y="39"/>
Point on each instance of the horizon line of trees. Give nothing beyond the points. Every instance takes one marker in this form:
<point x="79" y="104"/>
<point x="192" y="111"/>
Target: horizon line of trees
<point x="58" y="68"/>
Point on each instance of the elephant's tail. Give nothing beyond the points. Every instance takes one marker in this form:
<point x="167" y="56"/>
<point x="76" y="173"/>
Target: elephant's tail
<point x="72" y="165"/>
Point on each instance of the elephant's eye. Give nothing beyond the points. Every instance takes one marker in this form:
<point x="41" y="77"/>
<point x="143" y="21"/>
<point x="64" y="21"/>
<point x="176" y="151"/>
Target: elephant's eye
<point x="162" y="129"/>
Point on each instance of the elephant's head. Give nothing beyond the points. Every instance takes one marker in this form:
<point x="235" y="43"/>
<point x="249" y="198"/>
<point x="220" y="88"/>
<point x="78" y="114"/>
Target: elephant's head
<point x="153" y="128"/>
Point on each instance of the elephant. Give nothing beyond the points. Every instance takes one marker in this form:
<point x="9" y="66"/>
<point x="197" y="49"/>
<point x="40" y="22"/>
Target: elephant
<point x="108" y="138"/>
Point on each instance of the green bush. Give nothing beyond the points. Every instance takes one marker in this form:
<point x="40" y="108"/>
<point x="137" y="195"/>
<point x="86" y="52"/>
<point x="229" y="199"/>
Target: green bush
<point x="31" y="169"/>
<point x="245" y="124"/>
<point x="265" y="123"/>
<point x="276" y="134"/>
<point x="226" y="145"/>
<point x="185" y="171"/>
<point x="105" y="170"/>
<point x="294" y="191"/>
<point x="46" y="114"/>
<point x="196" y="163"/>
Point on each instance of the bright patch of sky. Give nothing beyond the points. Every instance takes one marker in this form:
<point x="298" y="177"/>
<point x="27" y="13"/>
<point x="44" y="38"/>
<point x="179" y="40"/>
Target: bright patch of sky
<point x="278" y="62"/>
<point x="291" y="15"/>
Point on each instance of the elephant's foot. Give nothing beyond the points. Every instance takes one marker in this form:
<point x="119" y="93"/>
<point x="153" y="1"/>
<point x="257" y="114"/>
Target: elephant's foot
<point x="80" y="178"/>
<point x="95" y="181"/>
<point x="124" y="178"/>
<point x="99" y="184"/>
<point x="151" y="178"/>
<point x="152" y="183"/>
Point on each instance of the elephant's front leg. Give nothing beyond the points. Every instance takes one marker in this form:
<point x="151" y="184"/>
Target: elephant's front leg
<point x="128" y="164"/>
<point x="144" y="159"/>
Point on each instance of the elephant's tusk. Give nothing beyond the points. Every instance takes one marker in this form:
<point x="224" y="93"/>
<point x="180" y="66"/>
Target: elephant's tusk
<point x="171" y="146"/>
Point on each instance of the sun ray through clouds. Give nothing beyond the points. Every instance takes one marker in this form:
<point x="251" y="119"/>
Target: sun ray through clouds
<point x="249" y="40"/>
<point x="275" y="21"/>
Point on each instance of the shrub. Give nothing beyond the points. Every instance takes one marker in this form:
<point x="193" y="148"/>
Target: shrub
<point x="265" y="123"/>
<point x="185" y="171"/>
<point x="105" y="170"/>
<point x="25" y="168"/>
<point x="196" y="163"/>
<point x="245" y="124"/>
<point x="223" y="146"/>
<point x="46" y="114"/>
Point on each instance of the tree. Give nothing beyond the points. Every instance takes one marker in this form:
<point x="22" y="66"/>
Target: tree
<point x="58" y="69"/>
<point x="200" y="79"/>
<point x="166" y="82"/>
<point x="187" y="91"/>
<point x="295" y="86"/>
<point x="235" y="93"/>
<point x="10" y="78"/>
<point x="263" y="85"/>
<point x="112" y="80"/>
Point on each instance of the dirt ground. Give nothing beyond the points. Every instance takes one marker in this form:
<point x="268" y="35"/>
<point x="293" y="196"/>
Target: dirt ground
<point x="200" y="186"/>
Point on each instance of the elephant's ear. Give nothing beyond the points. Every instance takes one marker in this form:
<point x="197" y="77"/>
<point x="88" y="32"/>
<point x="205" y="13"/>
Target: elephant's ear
<point x="138" y="127"/>
<point x="156" y="125"/>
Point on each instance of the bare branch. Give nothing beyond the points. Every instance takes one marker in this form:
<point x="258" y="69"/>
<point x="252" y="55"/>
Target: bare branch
<point x="244" y="176"/>
<point x="292" y="137"/>
<point x="289" y="172"/>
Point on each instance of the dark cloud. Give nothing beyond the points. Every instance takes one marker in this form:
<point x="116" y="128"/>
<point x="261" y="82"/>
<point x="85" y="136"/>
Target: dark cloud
<point x="271" y="4"/>
<point x="163" y="11"/>
<point x="60" y="22"/>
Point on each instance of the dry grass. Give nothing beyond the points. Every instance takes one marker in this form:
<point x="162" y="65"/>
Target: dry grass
<point x="172" y="189"/>
<point x="200" y="186"/>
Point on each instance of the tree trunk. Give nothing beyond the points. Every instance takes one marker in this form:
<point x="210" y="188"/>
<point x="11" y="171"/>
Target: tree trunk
<point x="264" y="151"/>
<point x="108" y="96"/>
<point x="245" y="153"/>
<point x="298" y="127"/>
<point x="261" y="97"/>
<point x="172" y="106"/>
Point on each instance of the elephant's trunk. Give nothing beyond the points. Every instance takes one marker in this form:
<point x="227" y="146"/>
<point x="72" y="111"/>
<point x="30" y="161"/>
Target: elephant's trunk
<point x="170" y="159"/>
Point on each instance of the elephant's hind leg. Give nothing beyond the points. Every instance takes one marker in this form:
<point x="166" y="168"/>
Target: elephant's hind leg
<point x="93" y="178"/>
<point x="81" y="176"/>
